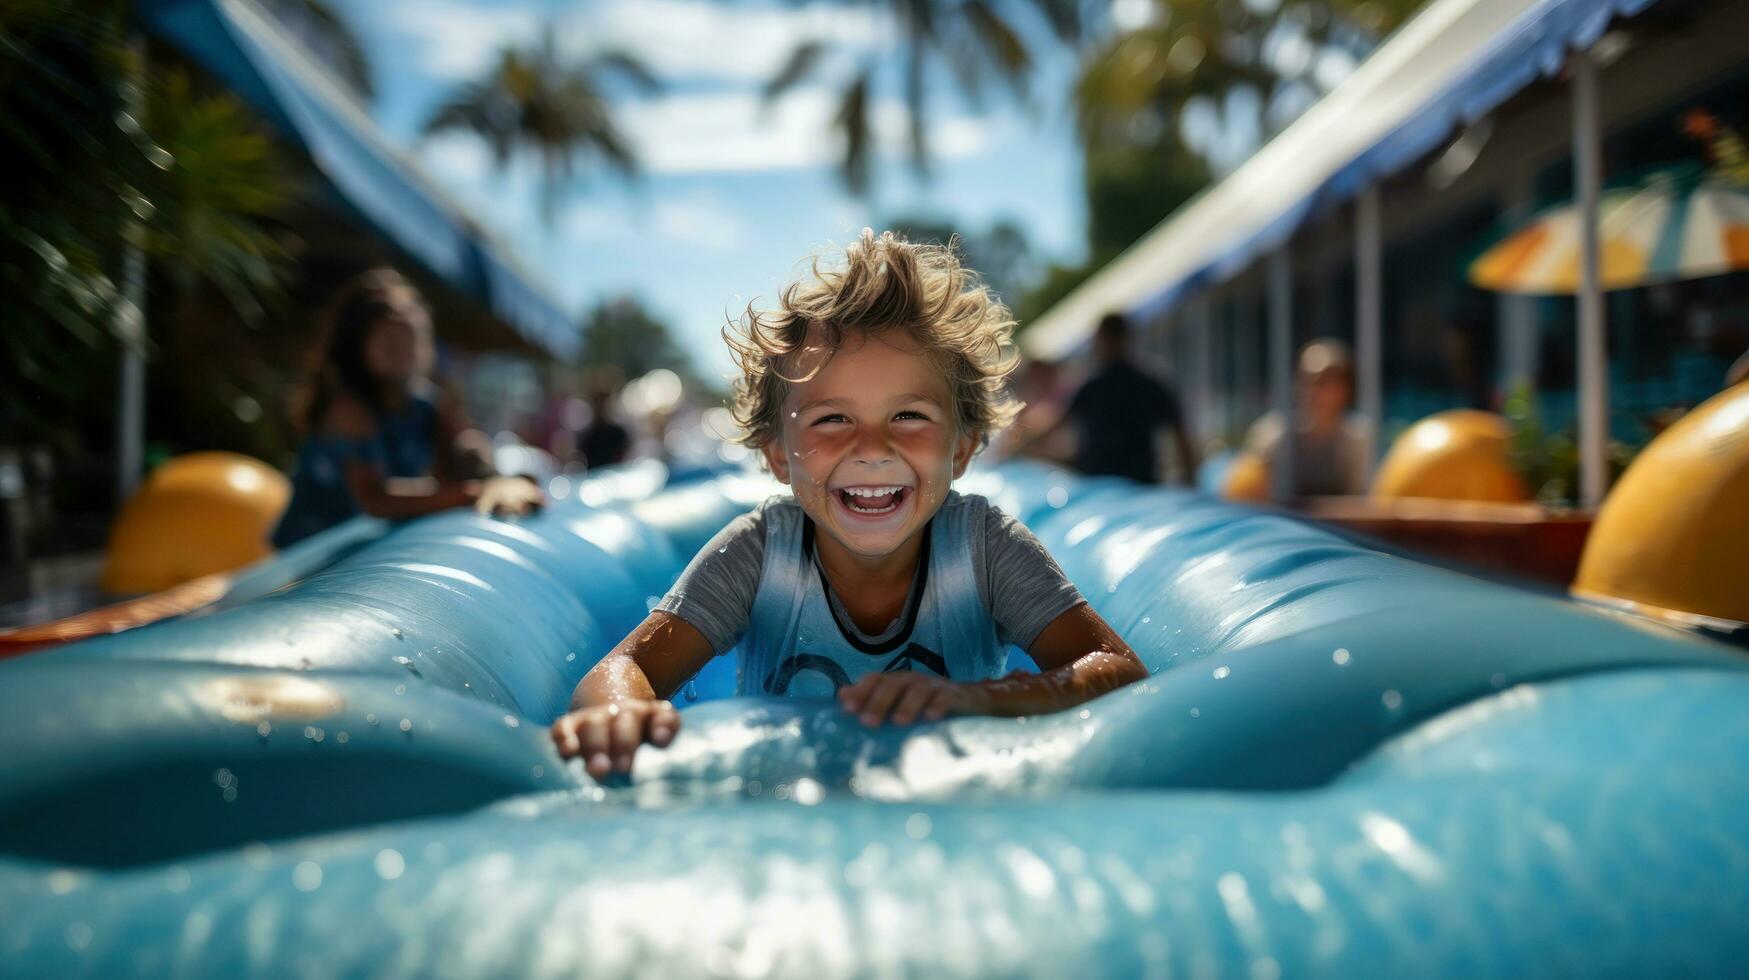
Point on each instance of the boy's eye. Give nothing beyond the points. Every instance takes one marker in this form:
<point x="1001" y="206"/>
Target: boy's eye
<point x="834" y="417"/>
<point x="911" y="414"/>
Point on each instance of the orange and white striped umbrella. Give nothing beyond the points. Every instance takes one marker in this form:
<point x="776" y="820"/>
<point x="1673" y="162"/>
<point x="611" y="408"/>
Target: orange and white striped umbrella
<point x="1672" y="226"/>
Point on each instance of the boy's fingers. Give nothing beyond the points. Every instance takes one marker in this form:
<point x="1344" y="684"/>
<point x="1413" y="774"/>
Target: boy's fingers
<point x="911" y="702"/>
<point x="940" y="704"/>
<point x="565" y="737"/>
<point x="852" y="695"/>
<point x="884" y="692"/>
<point x="597" y="740"/>
<point x="664" y="722"/>
<point x="627" y="726"/>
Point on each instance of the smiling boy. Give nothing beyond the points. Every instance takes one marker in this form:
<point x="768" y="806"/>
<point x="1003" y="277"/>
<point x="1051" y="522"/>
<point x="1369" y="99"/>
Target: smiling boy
<point x="868" y="392"/>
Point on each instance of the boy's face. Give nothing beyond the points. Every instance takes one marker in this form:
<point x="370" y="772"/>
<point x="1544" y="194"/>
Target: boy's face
<point x="869" y="443"/>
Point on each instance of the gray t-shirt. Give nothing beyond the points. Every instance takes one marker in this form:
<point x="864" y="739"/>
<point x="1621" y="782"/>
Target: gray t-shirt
<point x="1017" y="579"/>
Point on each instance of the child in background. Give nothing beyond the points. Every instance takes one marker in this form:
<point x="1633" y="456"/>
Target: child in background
<point x="868" y="391"/>
<point x="378" y="438"/>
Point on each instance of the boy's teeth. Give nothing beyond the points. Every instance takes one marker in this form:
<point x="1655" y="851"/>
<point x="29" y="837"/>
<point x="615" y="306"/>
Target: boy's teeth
<point x="871" y="500"/>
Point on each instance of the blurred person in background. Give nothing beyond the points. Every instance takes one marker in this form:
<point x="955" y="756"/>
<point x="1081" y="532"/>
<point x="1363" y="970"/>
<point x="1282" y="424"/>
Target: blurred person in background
<point x="604" y="441"/>
<point x="1330" y="443"/>
<point x="379" y="438"/>
<point x="1120" y="409"/>
<point x="1035" y="431"/>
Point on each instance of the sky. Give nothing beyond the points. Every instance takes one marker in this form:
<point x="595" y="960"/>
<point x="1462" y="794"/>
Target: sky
<point x="735" y="194"/>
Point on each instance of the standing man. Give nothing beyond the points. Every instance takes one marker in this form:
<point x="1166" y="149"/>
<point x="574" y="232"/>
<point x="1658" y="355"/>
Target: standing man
<point x="1120" y="408"/>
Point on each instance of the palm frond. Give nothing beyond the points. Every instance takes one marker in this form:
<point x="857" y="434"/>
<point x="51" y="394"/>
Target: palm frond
<point x="801" y="63"/>
<point x="852" y="123"/>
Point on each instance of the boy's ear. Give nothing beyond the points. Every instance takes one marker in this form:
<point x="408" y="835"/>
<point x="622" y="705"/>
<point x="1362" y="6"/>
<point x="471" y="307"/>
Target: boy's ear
<point x="963" y="452"/>
<point x="776" y="460"/>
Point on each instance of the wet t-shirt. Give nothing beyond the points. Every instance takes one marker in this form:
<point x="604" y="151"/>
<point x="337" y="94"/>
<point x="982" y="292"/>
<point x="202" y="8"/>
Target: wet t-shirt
<point x="1018" y="583"/>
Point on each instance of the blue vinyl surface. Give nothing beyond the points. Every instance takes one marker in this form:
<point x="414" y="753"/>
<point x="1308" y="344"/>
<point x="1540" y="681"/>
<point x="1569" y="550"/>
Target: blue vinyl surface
<point x="1345" y="763"/>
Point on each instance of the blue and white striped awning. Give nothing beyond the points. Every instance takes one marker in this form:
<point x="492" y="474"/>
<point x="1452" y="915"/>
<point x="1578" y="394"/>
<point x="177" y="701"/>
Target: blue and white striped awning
<point x="246" y="49"/>
<point x="1453" y="63"/>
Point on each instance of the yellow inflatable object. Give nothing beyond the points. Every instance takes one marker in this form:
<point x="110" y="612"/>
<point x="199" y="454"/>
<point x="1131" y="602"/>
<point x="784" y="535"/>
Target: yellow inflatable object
<point x="195" y="515"/>
<point x="1456" y="455"/>
<point x="1672" y="538"/>
<point x="1247" y="480"/>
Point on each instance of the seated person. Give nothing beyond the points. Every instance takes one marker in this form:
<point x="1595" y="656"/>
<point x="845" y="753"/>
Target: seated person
<point x="1331" y="444"/>
<point x="868" y="391"/>
<point x="378" y="439"/>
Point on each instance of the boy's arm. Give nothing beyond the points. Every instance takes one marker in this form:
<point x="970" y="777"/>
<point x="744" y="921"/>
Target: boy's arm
<point x="1080" y="657"/>
<point x="621" y="703"/>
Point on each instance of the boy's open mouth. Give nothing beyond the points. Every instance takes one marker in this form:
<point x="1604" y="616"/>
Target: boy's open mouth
<point x="872" y="501"/>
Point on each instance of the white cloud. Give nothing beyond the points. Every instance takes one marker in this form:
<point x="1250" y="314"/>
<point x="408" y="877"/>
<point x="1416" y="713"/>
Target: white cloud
<point x="698" y="218"/>
<point x="676" y="39"/>
<point x="707" y="38"/>
<point x="736" y="131"/>
<point x="457" y="40"/>
<point x="456" y="157"/>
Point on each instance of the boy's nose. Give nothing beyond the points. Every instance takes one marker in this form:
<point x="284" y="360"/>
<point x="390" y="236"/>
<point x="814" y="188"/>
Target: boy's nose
<point x="872" y="448"/>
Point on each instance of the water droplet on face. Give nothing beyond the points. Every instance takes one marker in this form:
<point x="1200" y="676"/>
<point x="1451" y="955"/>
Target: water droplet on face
<point x="689" y="691"/>
<point x="1341" y="657"/>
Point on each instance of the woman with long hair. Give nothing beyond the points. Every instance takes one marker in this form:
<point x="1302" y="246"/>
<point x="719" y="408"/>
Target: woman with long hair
<point x="379" y="437"/>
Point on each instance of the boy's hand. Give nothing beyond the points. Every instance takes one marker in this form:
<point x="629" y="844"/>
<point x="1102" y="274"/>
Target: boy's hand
<point x="605" y="736"/>
<point x="904" y="697"/>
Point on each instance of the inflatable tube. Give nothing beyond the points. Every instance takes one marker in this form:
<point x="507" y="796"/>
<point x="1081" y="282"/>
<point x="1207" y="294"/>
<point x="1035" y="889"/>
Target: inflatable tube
<point x="1345" y="763"/>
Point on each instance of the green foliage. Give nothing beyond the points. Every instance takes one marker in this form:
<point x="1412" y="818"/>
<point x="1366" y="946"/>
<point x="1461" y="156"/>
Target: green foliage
<point x="620" y="335"/>
<point x="1000" y="254"/>
<point x="1142" y="79"/>
<point x="190" y="184"/>
<point x="1549" y="461"/>
<point x="1130" y="189"/>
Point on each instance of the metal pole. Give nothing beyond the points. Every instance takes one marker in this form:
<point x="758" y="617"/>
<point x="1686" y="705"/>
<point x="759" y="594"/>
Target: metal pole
<point x="1593" y="354"/>
<point x="130" y="319"/>
<point x="1516" y="313"/>
<point x="1201" y="370"/>
<point x="1369" y="319"/>
<point x="1281" y="370"/>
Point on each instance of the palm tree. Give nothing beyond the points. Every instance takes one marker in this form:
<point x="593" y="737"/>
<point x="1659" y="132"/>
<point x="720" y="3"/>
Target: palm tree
<point x="535" y="101"/>
<point x="1140" y="80"/>
<point x="976" y="40"/>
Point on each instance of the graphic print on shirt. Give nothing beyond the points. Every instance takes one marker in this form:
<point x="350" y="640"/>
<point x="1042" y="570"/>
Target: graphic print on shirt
<point x="913" y="657"/>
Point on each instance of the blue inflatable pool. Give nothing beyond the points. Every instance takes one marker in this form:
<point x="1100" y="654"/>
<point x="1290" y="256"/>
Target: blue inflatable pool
<point x="1344" y="764"/>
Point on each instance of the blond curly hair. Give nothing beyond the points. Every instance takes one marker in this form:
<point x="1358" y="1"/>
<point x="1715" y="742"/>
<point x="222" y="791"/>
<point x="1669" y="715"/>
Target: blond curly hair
<point x="883" y="283"/>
